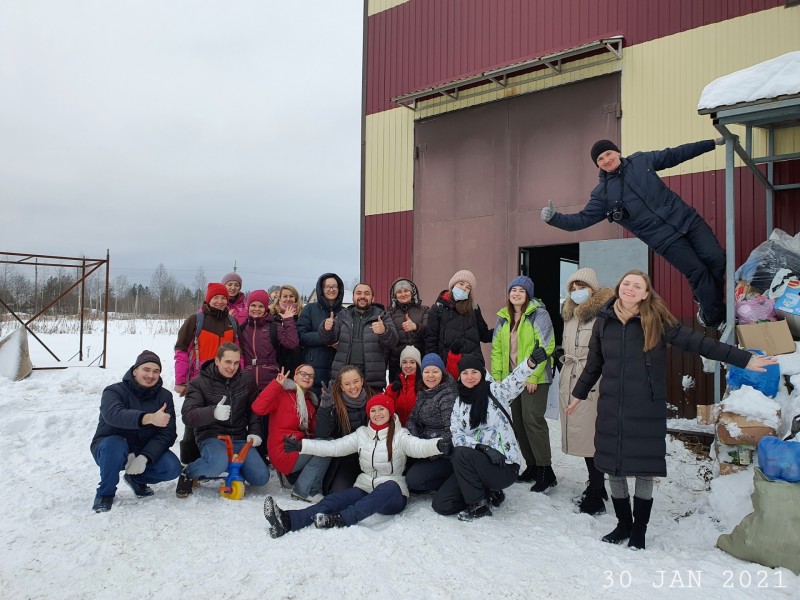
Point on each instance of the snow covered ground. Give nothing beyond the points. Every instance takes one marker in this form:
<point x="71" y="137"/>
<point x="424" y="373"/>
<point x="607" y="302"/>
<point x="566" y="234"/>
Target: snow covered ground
<point x="208" y="547"/>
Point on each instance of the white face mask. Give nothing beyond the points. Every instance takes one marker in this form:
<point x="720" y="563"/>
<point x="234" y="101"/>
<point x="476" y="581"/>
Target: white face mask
<point x="460" y="294"/>
<point x="579" y="296"/>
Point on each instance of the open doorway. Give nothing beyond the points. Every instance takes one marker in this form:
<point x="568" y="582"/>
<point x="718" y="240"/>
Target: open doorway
<point x="549" y="267"/>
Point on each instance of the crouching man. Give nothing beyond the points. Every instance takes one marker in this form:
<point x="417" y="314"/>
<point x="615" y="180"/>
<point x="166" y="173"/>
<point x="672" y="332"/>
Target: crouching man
<point x="219" y="402"/>
<point x="135" y="432"/>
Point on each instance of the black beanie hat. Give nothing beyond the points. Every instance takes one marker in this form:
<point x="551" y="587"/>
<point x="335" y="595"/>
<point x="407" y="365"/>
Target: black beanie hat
<point x="601" y="146"/>
<point x="147" y="356"/>
<point x="471" y="361"/>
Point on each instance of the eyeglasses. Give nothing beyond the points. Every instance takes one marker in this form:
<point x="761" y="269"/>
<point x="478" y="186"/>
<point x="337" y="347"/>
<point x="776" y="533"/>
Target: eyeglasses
<point x="304" y="374"/>
<point x="331" y="288"/>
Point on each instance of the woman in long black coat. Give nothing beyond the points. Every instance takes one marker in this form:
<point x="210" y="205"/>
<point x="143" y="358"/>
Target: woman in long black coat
<point x="628" y="348"/>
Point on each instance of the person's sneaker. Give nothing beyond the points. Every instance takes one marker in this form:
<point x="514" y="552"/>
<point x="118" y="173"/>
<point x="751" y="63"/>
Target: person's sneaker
<point x="102" y="503"/>
<point x="311" y="498"/>
<point x="323" y="521"/>
<point x="528" y="475"/>
<point x="185" y="486"/>
<point x="279" y="521"/>
<point x="545" y="479"/>
<point x="476" y="511"/>
<point x="140" y="489"/>
<point x="496" y="497"/>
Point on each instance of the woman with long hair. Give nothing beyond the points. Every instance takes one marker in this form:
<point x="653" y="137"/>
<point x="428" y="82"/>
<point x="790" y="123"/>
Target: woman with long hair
<point x="341" y="412"/>
<point x="629" y="349"/>
<point x="522" y="324"/>
<point x="289" y="299"/>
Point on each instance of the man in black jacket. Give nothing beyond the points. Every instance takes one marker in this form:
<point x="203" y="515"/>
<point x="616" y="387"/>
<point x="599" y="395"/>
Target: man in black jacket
<point x="631" y="194"/>
<point x="219" y="402"/>
<point x="135" y="432"/>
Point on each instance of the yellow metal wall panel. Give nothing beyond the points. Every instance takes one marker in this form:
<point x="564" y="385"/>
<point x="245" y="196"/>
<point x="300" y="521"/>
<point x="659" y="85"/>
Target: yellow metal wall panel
<point x="389" y="168"/>
<point x="662" y="81"/>
<point x="376" y="6"/>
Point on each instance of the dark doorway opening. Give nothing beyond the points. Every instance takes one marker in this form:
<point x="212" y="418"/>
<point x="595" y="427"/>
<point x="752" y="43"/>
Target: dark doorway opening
<point x="549" y="267"/>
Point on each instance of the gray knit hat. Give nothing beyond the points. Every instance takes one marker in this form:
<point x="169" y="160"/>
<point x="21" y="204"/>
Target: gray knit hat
<point x="587" y="276"/>
<point x="147" y="356"/>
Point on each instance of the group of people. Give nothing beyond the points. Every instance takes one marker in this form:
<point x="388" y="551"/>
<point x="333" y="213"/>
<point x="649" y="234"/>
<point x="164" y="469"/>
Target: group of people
<point x="309" y="383"/>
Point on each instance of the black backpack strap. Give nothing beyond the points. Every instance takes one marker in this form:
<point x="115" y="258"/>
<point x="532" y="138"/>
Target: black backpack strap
<point x="273" y="336"/>
<point x="501" y="407"/>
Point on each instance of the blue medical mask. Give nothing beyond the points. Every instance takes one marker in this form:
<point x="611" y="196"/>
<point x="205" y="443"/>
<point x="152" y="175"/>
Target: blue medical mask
<point x="580" y="296"/>
<point x="460" y="294"/>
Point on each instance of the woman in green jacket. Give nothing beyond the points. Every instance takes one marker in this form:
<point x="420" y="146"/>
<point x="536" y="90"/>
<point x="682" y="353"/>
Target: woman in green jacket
<point x="522" y="325"/>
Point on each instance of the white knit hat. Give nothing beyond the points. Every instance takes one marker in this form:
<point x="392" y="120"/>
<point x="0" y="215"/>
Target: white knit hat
<point x="411" y="352"/>
<point x="587" y="276"/>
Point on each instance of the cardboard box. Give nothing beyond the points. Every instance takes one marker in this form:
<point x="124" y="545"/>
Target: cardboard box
<point x="772" y="338"/>
<point x="729" y="468"/>
<point x="742" y="430"/>
<point x="792" y="320"/>
<point x="706" y="414"/>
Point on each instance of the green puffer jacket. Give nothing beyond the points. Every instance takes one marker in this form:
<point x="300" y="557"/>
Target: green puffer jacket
<point x="535" y="324"/>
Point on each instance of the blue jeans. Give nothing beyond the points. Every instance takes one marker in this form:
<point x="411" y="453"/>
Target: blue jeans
<point x="213" y="462"/>
<point x="312" y="471"/>
<point x="353" y="504"/>
<point x="111" y="454"/>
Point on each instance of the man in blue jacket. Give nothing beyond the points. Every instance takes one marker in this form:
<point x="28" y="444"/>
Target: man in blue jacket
<point x="135" y="432"/>
<point x="631" y="194"/>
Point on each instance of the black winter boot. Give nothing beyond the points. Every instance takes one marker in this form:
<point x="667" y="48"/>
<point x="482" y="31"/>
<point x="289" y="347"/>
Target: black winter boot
<point x="528" y="475"/>
<point x="622" y="508"/>
<point x="576" y="500"/>
<point x="641" y="517"/>
<point x="476" y="511"/>
<point x="139" y="489"/>
<point x="592" y="503"/>
<point x="323" y="521"/>
<point x="496" y="497"/>
<point x="545" y="479"/>
<point x="279" y="521"/>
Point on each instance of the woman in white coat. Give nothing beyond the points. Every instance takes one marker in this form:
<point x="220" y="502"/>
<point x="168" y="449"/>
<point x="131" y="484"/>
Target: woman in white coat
<point x="382" y="448"/>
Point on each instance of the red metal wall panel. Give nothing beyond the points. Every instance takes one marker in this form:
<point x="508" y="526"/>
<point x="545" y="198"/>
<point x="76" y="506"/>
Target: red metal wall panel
<point x="387" y="250"/>
<point x="420" y="43"/>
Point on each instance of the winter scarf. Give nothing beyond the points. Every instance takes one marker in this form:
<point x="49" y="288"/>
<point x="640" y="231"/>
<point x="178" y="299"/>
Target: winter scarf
<point x="359" y="401"/>
<point x="477" y="397"/>
<point x="623" y="314"/>
<point x="300" y="403"/>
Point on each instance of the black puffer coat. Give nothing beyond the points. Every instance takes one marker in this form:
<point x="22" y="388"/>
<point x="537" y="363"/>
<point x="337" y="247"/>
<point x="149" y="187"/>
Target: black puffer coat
<point x="376" y="347"/>
<point x="205" y="392"/>
<point x="445" y="325"/>
<point x="631" y="424"/>
<point x="430" y="417"/>
<point x="652" y="211"/>
<point x="316" y="353"/>
<point x="418" y="313"/>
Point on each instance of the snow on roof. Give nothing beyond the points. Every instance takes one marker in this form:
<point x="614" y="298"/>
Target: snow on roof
<point x="779" y="76"/>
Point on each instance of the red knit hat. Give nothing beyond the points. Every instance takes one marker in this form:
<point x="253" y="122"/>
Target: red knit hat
<point x="381" y="400"/>
<point x="216" y="289"/>
<point x="258" y="296"/>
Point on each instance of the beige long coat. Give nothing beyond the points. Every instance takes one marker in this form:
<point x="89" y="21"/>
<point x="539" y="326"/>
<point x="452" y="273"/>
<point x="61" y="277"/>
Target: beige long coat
<point x="577" y="429"/>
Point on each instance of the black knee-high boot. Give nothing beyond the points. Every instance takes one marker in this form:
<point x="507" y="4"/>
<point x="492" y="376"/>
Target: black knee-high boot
<point x="622" y="508"/>
<point x="641" y="517"/>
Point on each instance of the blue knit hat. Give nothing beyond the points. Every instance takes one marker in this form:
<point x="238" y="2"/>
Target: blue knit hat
<point x="432" y="360"/>
<point x="523" y="282"/>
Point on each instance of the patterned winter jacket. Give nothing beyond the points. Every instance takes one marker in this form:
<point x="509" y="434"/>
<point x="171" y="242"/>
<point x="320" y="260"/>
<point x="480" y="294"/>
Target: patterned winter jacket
<point x="433" y="409"/>
<point x="534" y="326"/>
<point x="496" y="432"/>
<point x="373" y="454"/>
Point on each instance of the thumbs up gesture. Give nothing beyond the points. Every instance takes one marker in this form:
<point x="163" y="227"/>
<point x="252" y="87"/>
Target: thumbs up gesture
<point x="222" y="412"/>
<point x="379" y="327"/>
<point x="329" y="322"/>
<point x="160" y="418"/>
<point x="538" y="356"/>
<point x="548" y="212"/>
<point x="408" y="324"/>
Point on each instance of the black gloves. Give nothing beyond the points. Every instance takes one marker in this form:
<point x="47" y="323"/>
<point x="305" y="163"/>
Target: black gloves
<point x="292" y="444"/>
<point x="396" y="385"/>
<point x="538" y="356"/>
<point x="445" y="446"/>
<point x="457" y="347"/>
<point x="495" y="457"/>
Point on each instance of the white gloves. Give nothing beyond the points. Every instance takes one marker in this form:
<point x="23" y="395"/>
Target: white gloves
<point x="548" y="212"/>
<point x="137" y="465"/>
<point x="222" y="412"/>
<point x="256" y="439"/>
<point x="720" y="141"/>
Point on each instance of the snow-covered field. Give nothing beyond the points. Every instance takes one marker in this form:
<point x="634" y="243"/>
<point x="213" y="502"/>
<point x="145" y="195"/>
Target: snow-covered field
<point x="208" y="547"/>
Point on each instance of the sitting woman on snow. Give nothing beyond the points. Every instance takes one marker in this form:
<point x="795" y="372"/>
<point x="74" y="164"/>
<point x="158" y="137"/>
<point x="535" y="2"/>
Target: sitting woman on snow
<point x="486" y="456"/>
<point x="382" y="448"/>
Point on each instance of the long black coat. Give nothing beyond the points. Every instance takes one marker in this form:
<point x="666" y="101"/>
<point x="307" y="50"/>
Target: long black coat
<point x="446" y="325"/>
<point x="317" y="353"/>
<point x="631" y="426"/>
<point x="653" y="212"/>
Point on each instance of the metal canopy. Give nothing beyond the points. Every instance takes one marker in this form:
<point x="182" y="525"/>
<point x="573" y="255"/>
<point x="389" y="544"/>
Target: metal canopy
<point x="770" y="114"/>
<point x="554" y="63"/>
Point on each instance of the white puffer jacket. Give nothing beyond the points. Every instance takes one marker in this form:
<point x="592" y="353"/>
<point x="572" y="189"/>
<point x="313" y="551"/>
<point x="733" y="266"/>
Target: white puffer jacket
<point x="373" y="455"/>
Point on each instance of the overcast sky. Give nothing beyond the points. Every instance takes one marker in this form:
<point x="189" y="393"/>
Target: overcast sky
<point x="188" y="133"/>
